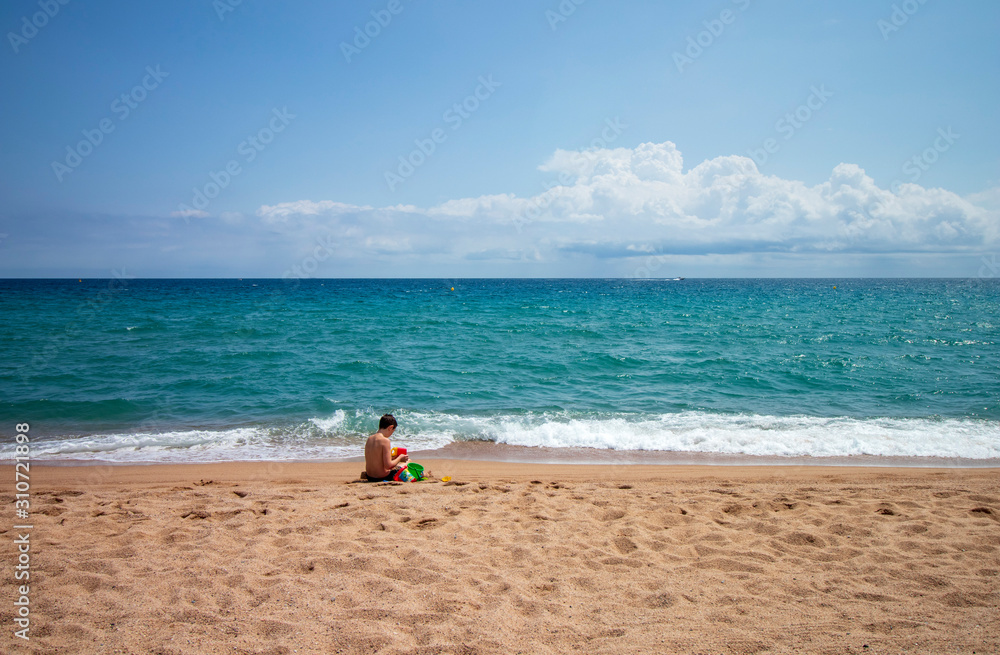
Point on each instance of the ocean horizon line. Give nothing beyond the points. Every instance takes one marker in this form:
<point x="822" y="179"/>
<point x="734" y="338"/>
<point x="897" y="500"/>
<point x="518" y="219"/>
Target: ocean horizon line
<point x="670" y="278"/>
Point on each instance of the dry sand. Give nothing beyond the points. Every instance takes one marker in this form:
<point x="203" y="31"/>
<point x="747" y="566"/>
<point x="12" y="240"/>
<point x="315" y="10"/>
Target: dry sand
<point x="508" y="558"/>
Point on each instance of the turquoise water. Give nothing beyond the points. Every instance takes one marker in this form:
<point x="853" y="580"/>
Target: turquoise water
<point x="192" y="370"/>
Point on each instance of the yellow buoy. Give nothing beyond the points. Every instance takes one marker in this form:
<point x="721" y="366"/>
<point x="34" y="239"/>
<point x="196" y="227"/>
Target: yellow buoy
<point x="453" y="288"/>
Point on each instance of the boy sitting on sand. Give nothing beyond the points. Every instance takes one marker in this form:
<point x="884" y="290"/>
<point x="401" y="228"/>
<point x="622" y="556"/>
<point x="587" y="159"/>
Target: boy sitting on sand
<point x="379" y="465"/>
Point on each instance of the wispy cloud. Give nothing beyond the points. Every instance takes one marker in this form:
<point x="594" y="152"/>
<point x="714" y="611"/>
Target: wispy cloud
<point x="190" y="213"/>
<point x="285" y="211"/>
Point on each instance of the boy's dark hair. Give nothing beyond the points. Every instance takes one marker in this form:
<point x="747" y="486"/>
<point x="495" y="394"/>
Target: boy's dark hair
<point x="386" y="421"/>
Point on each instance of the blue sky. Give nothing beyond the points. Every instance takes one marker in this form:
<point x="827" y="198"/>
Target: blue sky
<point x="734" y="138"/>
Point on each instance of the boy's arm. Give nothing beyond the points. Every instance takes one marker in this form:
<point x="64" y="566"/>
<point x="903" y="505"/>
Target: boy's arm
<point x="390" y="462"/>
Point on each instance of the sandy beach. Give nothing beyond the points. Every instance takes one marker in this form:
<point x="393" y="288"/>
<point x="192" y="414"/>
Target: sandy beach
<point x="508" y="558"/>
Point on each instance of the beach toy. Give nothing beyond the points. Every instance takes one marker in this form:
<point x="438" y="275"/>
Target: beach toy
<point x="403" y="475"/>
<point x="397" y="451"/>
<point x="416" y="470"/>
<point x="446" y="478"/>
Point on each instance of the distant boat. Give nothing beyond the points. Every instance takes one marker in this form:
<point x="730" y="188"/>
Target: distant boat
<point x="678" y="279"/>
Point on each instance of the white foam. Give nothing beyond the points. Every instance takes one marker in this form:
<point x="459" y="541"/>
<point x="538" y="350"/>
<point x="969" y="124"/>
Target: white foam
<point x="332" y="423"/>
<point x="762" y="435"/>
<point x="742" y="434"/>
<point x="237" y="444"/>
<point x="342" y="435"/>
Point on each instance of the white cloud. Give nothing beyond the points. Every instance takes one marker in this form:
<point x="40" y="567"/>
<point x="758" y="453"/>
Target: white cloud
<point x="284" y="211"/>
<point x="190" y="213"/>
<point x="629" y="202"/>
<point x="989" y="198"/>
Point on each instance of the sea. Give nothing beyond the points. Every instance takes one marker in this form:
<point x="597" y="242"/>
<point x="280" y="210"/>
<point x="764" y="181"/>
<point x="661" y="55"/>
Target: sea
<point x="814" y="371"/>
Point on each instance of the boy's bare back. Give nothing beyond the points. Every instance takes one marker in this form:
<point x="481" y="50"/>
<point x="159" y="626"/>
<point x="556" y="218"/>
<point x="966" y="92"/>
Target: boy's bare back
<point x="378" y="456"/>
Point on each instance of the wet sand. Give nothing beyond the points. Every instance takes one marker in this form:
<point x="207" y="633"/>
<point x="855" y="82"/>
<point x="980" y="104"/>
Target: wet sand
<point x="508" y="558"/>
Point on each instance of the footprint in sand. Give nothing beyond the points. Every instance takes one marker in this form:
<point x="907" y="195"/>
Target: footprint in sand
<point x="625" y="545"/>
<point x="804" y="539"/>
<point x="660" y="601"/>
